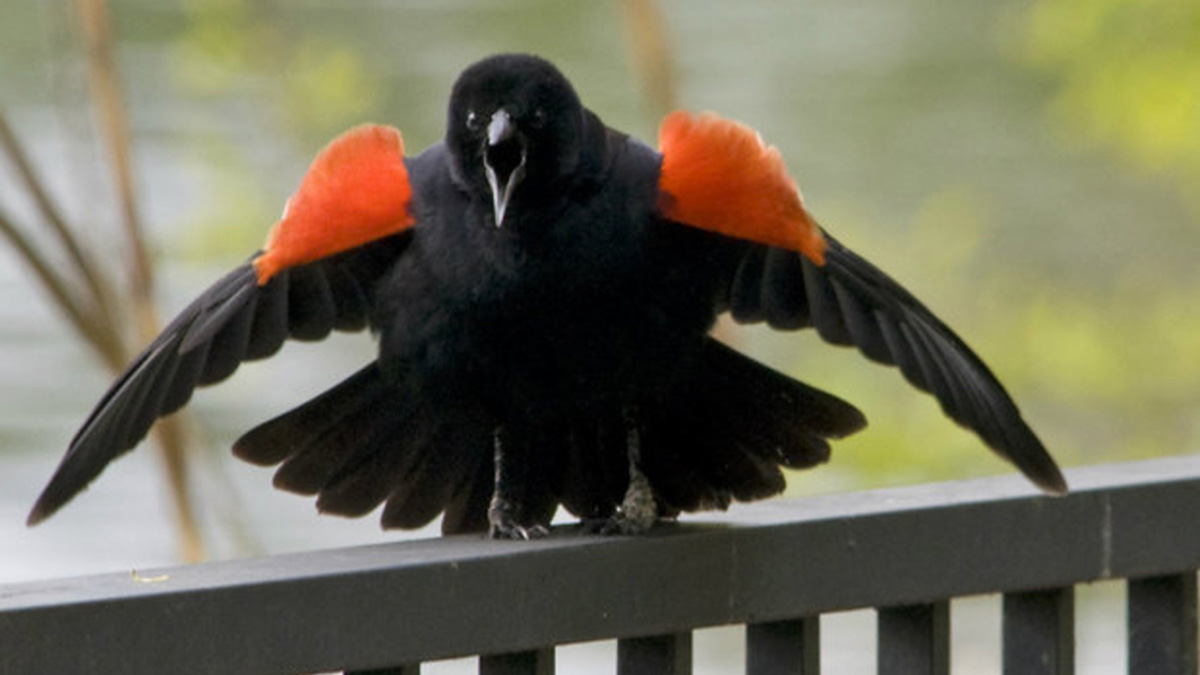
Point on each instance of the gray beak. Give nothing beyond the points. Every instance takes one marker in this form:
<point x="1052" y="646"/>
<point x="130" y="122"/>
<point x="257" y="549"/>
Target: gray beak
<point x="503" y="161"/>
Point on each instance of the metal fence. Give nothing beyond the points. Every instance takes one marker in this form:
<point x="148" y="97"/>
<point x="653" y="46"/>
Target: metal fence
<point x="775" y="567"/>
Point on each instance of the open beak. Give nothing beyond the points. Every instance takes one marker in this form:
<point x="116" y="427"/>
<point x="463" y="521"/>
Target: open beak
<point x="503" y="161"/>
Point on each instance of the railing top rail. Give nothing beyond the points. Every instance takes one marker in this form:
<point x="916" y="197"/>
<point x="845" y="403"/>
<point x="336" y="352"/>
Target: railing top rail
<point x="387" y="604"/>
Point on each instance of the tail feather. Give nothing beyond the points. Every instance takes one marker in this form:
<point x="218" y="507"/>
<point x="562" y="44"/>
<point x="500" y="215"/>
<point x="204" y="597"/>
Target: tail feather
<point x="361" y="443"/>
<point x="730" y="424"/>
<point x="543" y="476"/>
<point x="596" y="467"/>
<point x="374" y="465"/>
<point x="467" y="510"/>
<point x="357" y="493"/>
<point x="450" y="456"/>
<point x="350" y="441"/>
<point x="722" y="434"/>
<point x="674" y="449"/>
<point x="420" y="496"/>
<point x="278" y="439"/>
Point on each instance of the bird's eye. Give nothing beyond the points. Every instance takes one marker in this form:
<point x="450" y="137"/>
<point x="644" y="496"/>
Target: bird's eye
<point x="474" y="121"/>
<point x="538" y="118"/>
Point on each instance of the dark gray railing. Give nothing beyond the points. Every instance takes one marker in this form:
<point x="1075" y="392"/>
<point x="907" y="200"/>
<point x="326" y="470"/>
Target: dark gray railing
<point x="775" y="567"/>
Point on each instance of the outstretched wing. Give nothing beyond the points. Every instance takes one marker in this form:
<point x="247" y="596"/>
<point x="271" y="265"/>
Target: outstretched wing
<point x="849" y="301"/>
<point x="346" y="225"/>
<point x="717" y="175"/>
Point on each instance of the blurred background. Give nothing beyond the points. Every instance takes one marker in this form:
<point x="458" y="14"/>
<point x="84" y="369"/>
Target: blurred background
<point x="1030" y="169"/>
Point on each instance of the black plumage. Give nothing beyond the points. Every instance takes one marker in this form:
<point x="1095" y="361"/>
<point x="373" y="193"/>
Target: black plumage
<point x="543" y="340"/>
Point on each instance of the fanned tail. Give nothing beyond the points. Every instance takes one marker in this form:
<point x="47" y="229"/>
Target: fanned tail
<point x="363" y="443"/>
<point x="729" y="427"/>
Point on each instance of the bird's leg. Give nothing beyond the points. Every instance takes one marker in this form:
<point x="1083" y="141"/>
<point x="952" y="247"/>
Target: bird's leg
<point x="508" y="488"/>
<point x="639" y="510"/>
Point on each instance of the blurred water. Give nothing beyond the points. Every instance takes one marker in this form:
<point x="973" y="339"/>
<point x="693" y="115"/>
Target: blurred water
<point x="877" y="105"/>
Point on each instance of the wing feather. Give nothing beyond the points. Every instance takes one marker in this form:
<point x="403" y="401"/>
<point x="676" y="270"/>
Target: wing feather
<point x="349" y="221"/>
<point x="781" y="305"/>
<point x="851" y="302"/>
<point x="746" y="292"/>
<point x="235" y="320"/>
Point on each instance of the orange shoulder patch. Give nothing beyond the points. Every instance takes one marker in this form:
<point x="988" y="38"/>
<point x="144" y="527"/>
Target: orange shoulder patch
<point x="356" y="191"/>
<point x="718" y="175"/>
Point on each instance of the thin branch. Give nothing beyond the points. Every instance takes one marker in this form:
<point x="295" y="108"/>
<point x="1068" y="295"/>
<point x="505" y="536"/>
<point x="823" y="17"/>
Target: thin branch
<point x="106" y="91"/>
<point x="95" y="330"/>
<point x="97" y="284"/>
<point x="646" y="37"/>
<point x="171" y="435"/>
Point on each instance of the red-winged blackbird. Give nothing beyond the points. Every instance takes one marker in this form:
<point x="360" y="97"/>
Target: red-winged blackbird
<point x="542" y="288"/>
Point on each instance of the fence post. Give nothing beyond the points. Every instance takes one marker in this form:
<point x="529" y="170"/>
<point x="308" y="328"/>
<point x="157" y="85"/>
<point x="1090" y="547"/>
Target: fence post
<point x="1162" y="625"/>
<point x="533" y="662"/>
<point x="655" y="655"/>
<point x="914" y="639"/>
<point x="1039" y="632"/>
<point x="791" y="647"/>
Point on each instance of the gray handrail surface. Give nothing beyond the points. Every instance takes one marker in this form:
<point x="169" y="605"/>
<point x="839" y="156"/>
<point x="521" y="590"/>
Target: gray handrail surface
<point x="413" y="601"/>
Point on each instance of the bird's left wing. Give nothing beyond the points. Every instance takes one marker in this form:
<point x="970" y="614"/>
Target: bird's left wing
<point x="345" y="226"/>
<point x="718" y="175"/>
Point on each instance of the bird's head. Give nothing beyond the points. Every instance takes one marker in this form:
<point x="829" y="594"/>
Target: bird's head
<point x="514" y="126"/>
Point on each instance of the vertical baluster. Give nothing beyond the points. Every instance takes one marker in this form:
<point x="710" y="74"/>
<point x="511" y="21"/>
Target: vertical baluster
<point x="407" y="669"/>
<point x="533" y="662"/>
<point x="655" y="655"/>
<point x="1162" y="625"/>
<point x="790" y="647"/>
<point x="1039" y="632"/>
<point x="914" y="640"/>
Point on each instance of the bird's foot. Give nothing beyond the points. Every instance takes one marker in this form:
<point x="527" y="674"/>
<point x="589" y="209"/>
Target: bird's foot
<point x="514" y="531"/>
<point x="638" y="511"/>
<point x="503" y="524"/>
<point x="622" y="523"/>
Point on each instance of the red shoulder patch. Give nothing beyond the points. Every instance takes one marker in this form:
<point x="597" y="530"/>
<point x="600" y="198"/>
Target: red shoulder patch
<point x="356" y="191"/>
<point x="718" y="175"/>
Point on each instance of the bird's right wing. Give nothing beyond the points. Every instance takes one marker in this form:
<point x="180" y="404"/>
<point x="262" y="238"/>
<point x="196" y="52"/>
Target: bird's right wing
<point x="347" y="224"/>
<point x="717" y="175"/>
<point x="849" y="301"/>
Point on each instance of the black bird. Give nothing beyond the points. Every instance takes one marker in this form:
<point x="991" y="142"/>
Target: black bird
<point x="542" y="288"/>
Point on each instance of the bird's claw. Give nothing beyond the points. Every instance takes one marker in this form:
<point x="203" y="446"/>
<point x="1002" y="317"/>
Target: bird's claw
<point x="512" y="530"/>
<point x="622" y="523"/>
<point x="617" y="524"/>
<point x="638" y="511"/>
<point x="502" y="523"/>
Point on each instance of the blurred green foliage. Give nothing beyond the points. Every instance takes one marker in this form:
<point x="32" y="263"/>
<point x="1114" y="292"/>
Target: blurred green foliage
<point x="305" y="82"/>
<point x="1129" y="78"/>
<point x="1126" y="76"/>
<point x="235" y="48"/>
<point x="1105" y="359"/>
